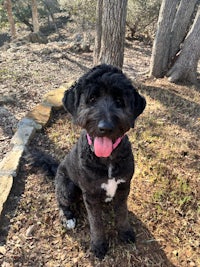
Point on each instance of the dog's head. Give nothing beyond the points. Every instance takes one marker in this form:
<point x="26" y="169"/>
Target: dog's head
<point x="105" y="103"/>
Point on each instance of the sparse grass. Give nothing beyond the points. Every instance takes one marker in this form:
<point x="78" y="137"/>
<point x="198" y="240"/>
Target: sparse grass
<point x="5" y="74"/>
<point x="167" y="172"/>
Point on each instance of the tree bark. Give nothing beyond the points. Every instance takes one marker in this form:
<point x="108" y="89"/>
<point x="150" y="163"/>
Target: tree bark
<point x="97" y="46"/>
<point x="36" y="26"/>
<point x="176" y="51"/>
<point x="161" y="46"/>
<point x="8" y="7"/>
<point x="110" y="32"/>
<point x="49" y="6"/>
<point x="185" y="68"/>
<point x="181" y="25"/>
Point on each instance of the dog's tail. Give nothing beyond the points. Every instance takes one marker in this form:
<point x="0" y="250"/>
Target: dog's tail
<point x="41" y="160"/>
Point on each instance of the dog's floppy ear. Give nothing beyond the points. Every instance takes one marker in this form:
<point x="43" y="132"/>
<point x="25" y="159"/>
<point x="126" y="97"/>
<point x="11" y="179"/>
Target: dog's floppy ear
<point x="71" y="99"/>
<point x="139" y="106"/>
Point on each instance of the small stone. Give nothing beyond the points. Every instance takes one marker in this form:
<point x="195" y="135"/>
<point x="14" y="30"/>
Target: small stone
<point x="54" y="97"/>
<point x="40" y="114"/>
<point x="46" y="51"/>
<point x="2" y="250"/>
<point x="30" y="230"/>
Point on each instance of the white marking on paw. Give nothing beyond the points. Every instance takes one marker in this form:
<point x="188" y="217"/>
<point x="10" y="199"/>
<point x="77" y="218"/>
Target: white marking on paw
<point x="110" y="187"/>
<point x="108" y="199"/>
<point x="70" y="224"/>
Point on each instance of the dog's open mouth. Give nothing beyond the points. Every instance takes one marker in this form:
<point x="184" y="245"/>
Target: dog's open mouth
<point x="103" y="146"/>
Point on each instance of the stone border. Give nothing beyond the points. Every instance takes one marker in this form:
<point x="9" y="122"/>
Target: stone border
<point x="34" y="121"/>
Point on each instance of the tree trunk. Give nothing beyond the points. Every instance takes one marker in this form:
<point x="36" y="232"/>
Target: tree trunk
<point x="97" y="46"/>
<point x="8" y="6"/>
<point x="176" y="51"/>
<point x="110" y="36"/>
<point x="50" y="12"/>
<point x="161" y="46"/>
<point x="36" y="26"/>
<point x="181" y="25"/>
<point x="185" y="68"/>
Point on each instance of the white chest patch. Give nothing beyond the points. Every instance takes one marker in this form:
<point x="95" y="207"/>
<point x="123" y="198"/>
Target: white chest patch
<point x="110" y="187"/>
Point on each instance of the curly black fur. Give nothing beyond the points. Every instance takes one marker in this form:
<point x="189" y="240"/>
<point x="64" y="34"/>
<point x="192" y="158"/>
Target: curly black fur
<point x="105" y="104"/>
<point x="42" y="160"/>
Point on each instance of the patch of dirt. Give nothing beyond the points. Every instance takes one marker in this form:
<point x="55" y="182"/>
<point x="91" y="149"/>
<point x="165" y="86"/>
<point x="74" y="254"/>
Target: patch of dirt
<point x="27" y="73"/>
<point x="164" y="198"/>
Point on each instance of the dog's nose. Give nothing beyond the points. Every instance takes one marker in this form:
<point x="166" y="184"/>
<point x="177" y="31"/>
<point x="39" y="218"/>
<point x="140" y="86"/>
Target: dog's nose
<point x="105" y="127"/>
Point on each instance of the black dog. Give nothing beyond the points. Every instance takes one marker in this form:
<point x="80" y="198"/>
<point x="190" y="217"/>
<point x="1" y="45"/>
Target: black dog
<point x="100" y="166"/>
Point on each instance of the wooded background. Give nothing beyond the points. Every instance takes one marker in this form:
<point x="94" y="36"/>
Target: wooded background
<point x="172" y="26"/>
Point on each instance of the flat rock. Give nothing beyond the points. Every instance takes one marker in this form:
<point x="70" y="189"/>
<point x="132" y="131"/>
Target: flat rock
<point x="34" y="120"/>
<point x="6" y="182"/>
<point x="23" y="135"/>
<point x="40" y="114"/>
<point x="9" y="165"/>
<point x="29" y="122"/>
<point x="54" y="97"/>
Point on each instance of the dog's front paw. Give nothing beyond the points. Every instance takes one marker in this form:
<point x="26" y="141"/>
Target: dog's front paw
<point x="69" y="224"/>
<point x="67" y="220"/>
<point x="127" y="236"/>
<point x="99" y="249"/>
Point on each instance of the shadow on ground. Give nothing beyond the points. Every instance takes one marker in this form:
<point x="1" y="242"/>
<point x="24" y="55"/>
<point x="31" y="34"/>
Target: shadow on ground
<point x="4" y="38"/>
<point x="181" y="110"/>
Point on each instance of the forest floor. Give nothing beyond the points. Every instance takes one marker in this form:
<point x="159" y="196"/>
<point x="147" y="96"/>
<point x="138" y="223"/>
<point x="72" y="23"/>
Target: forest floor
<point x="164" y="202"/>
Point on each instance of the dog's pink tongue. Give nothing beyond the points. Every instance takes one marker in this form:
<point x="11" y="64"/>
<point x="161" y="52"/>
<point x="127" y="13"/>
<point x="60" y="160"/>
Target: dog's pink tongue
<point x="103" y="147"/>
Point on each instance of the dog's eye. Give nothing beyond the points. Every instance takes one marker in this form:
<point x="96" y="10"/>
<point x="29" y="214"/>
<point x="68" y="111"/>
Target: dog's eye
<point x="92" y="100"/>
<point x="119" y="102"/>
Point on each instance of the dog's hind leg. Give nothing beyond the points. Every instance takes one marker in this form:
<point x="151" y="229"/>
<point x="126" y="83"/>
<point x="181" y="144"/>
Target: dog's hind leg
<point x="67" y="194"/>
